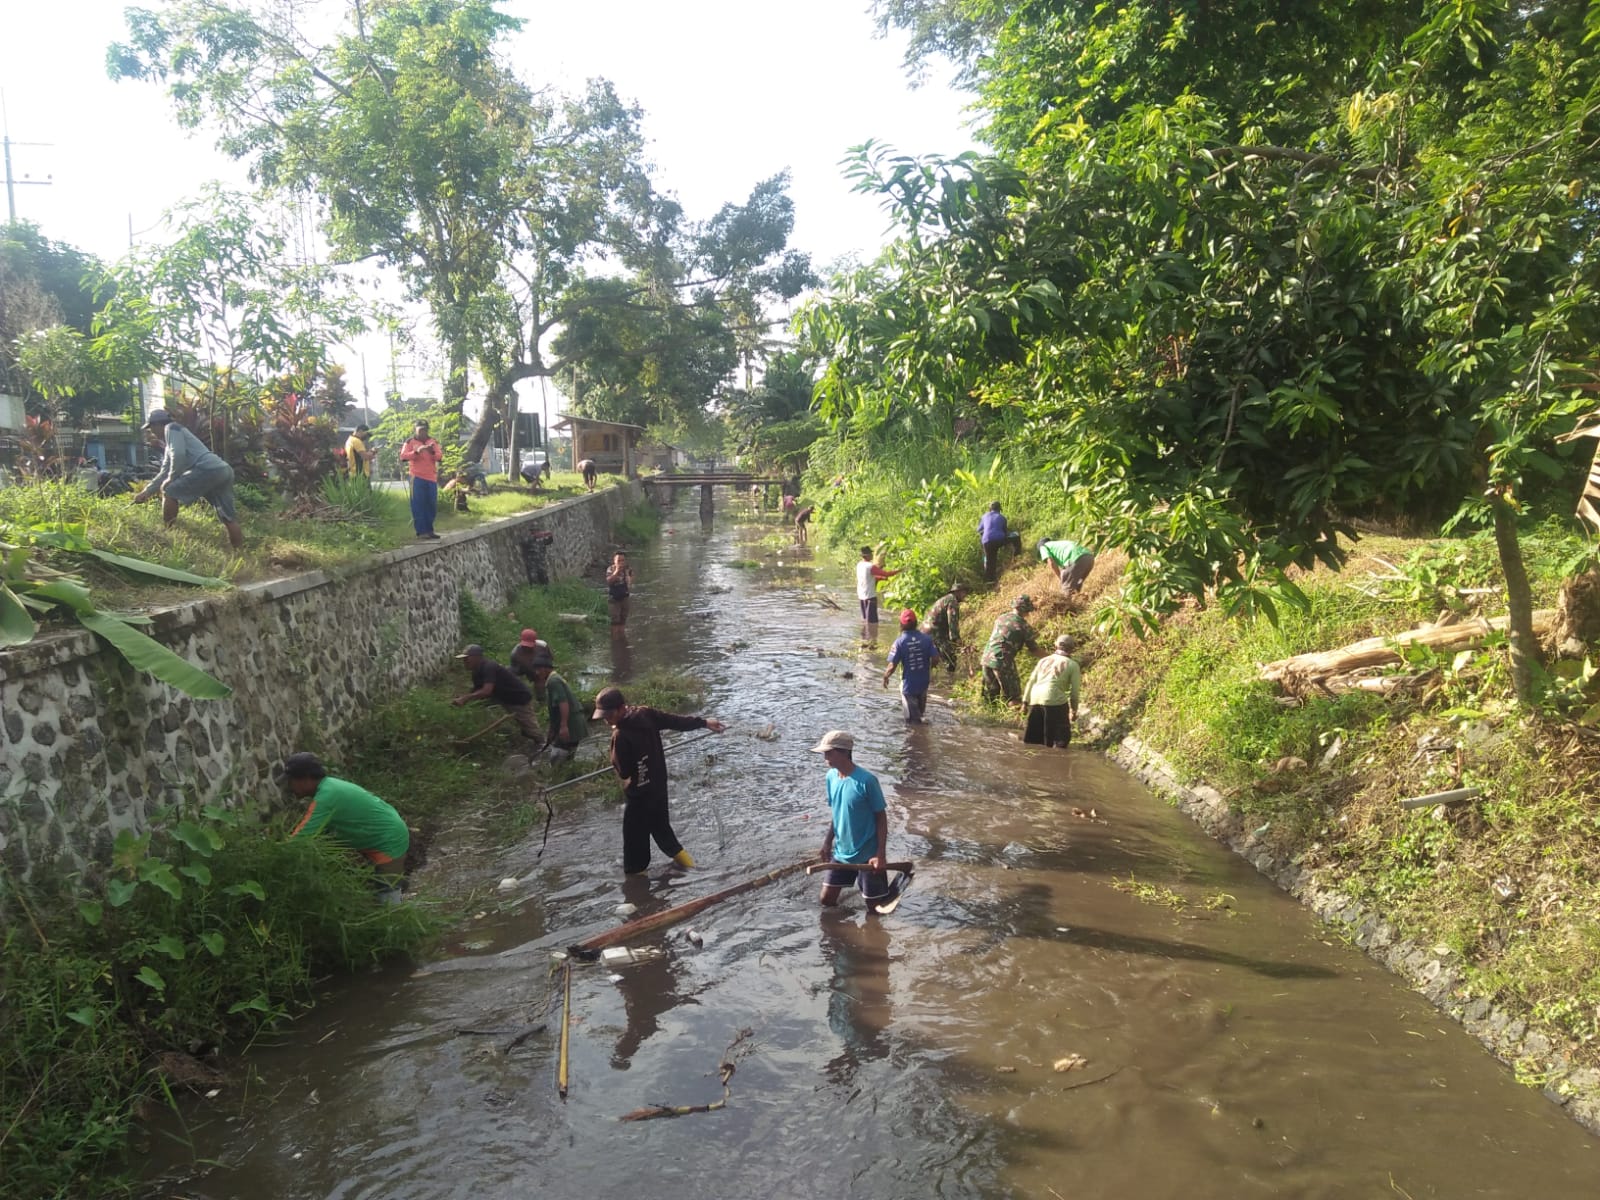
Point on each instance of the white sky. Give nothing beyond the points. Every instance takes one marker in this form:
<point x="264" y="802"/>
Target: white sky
<point x="733" y="91"/>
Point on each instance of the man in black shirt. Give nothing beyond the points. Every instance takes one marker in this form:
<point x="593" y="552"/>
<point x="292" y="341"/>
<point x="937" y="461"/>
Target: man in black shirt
<point x="491" y="681"/>
<point x="640" y="762"/>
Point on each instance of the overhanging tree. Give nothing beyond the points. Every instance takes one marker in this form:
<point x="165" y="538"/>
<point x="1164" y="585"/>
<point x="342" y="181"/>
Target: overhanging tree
<point x="1242" y="297"/>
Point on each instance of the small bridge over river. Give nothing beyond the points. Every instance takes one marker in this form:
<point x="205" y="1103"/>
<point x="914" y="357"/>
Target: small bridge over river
<point x="742" y="481"/>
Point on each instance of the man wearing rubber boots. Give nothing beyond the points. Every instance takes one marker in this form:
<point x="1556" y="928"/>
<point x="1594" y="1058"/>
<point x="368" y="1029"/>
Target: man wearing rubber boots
<point x="640" y="762"/>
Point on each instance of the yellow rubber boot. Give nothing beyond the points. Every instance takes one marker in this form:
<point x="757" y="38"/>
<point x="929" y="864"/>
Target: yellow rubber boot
<point x="682" y="859"/>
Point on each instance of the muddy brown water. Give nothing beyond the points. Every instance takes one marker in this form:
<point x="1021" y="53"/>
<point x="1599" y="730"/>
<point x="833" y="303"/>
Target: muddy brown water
<point x="911" y="1056"/>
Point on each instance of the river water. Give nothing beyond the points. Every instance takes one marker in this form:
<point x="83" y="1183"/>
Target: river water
<point x="1231" y="1052"/>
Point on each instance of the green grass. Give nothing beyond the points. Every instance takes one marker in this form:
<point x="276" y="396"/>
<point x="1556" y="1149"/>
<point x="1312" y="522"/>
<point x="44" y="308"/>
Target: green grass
<point x="279" y="539"/>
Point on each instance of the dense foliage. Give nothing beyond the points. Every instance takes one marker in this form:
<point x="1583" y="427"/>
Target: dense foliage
<point x="1242" y="272"/>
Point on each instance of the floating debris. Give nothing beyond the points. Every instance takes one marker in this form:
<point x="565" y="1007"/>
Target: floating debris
<point x="509" y="883"/>
<point x="1071" y="1062"/>
<point x="626" y="910"/>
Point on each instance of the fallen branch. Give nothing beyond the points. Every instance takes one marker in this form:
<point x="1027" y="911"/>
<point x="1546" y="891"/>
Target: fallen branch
<point x="1090" y="1082"/>
<point x="1454" y="796"/>
<point x="725" y="1071"/>
<point x="589" y="948"/>
<point x="1380" y="651"/>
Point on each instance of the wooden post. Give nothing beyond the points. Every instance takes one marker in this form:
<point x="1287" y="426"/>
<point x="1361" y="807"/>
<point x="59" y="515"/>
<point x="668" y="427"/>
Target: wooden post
<point x="705" y="501"/>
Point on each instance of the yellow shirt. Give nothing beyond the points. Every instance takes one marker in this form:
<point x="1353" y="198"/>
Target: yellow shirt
<point x="356" y="451"/>
<point x="1054" y="681"/>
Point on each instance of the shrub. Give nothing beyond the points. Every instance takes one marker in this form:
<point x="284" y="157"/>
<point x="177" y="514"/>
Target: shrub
<point x="209" y="927"/>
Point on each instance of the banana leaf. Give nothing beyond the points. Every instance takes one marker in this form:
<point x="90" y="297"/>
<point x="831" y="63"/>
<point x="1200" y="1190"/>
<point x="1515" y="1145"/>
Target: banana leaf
<point x="140" y="567"/>
<point x="73" y="538"/>
<point x="74" y="595"/>
<point x="16" y="625"/>
<point x="147" y="654"/>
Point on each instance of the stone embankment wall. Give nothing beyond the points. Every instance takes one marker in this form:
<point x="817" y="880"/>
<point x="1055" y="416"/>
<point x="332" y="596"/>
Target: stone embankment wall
<point x="90" y="747"/>
<point x="1435" y="971"/>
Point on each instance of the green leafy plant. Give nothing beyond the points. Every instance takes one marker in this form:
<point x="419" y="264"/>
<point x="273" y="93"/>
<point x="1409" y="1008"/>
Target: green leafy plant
<point x="28" y="588"/>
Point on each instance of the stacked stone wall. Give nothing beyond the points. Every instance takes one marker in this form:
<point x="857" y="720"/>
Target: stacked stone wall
<point x="89" y="746"/>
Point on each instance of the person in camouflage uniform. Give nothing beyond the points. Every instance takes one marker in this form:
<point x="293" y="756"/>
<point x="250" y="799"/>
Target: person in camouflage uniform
<point x="1011" y="633"/>
<point x="944" y="624"/>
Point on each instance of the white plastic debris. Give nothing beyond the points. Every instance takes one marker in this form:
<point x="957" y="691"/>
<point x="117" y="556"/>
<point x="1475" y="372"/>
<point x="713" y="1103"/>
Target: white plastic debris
<point x="619" y="956"/>
<point x="509" y="883"/>
<point x="626" y="910"/>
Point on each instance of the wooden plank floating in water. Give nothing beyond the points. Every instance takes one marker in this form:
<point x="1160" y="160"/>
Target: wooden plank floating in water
<point x="680" y="913"/>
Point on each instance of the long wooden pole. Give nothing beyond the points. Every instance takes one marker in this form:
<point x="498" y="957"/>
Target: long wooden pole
<point x="682" y="912"/>
<point x="566" y="1028"/>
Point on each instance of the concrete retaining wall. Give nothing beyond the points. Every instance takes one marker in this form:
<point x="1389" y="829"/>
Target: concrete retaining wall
<point x="89" y="747"/>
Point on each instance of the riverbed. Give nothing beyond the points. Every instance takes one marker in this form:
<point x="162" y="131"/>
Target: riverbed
<point x="1081" y="996"/>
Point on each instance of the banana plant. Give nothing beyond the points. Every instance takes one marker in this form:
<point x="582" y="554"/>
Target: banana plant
<point x="29" y="587"/>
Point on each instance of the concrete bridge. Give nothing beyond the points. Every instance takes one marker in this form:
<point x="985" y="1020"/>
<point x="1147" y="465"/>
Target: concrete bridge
<point x="706" y="480"/>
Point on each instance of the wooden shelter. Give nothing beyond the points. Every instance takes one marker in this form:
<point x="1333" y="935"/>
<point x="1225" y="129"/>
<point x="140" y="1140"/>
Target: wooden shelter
<point x="612" y="445"/>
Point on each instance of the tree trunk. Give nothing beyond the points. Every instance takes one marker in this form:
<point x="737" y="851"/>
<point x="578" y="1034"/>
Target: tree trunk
<point x="455" y="383"/>
<point x="494" y="411"/>
<point x="1519" y="599"/>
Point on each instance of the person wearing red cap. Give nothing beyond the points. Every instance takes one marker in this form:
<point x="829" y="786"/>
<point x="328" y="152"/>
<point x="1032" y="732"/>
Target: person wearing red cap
<point x="527" y="655"/>
<point x="915" y="654"/>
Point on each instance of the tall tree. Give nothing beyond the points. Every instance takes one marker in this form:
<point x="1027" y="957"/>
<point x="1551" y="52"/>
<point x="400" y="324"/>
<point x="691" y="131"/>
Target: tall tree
<point x="50" y="286"/>
<point x="406" y="127"/>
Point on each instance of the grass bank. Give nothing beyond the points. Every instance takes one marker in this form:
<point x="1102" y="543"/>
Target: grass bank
<point x="1509" y="882"/>
<point x="332" y="533"/>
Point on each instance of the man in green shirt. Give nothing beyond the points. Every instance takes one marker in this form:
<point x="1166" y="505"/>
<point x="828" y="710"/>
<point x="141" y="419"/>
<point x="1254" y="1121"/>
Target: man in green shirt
<point x="1074" y="562"/>
<point x="944" y="624"/>
<point x="999" y="661"/>
<point x="353" y="817"/>
<point x="568" y="723"/>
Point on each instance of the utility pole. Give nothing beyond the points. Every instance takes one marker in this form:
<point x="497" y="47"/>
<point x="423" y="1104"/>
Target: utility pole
<point x="11" y="180"/>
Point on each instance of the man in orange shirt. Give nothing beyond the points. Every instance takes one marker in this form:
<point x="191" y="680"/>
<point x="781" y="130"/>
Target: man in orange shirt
<point x="422" y="454"/>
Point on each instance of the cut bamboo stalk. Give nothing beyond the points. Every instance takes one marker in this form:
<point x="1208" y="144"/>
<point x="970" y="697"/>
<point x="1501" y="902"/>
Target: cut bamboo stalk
<point x="566" y="1028"/>
<point x="1455" y="796"/>
<point x="1378" y="651"/>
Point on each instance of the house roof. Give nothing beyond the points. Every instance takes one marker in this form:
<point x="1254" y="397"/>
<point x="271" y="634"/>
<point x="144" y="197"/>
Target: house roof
<point x="569" y="422"/>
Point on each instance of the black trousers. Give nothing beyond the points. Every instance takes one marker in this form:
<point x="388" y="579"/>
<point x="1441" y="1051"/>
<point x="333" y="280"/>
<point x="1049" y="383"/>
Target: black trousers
<point x="991" y="553"/>
<point x="1048" y="725"/>
<point x="644" y="817"/>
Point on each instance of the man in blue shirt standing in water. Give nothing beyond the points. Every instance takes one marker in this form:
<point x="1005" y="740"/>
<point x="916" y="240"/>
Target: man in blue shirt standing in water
<point x="914" y="653"/>
<point x="859" y="832"/>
